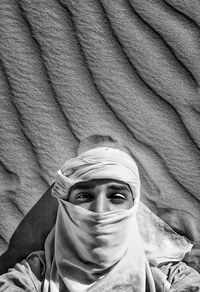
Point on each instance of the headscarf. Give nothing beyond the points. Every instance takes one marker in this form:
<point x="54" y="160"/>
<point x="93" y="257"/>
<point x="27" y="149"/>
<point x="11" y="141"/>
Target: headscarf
<point x="88" y="251"/>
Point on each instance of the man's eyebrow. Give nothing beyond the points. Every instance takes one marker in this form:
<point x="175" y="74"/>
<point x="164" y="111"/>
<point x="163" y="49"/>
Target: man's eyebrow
<point x="91" y="185"/>
<point x="120" y="187"/>
<point x="82" y="186"/>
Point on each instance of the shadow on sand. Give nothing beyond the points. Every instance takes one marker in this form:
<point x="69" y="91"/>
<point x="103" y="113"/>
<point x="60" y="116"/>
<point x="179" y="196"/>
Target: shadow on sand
<point x="31" y="232"/>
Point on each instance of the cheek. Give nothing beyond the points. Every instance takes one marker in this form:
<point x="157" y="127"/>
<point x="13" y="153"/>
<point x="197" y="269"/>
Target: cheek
<point x="87" y="206"/>
<point x="125" y="206"/>
<point x="129" y="203"/>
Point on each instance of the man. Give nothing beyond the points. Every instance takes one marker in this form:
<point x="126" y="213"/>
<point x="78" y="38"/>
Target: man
<point x="98" y="243"/>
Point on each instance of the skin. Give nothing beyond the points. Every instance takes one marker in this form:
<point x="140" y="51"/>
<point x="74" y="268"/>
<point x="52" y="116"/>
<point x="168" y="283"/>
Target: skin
<point x="102" y="195"/>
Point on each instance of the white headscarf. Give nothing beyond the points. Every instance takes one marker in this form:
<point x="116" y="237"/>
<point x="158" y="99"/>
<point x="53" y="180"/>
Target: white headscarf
<point x="89" y="251"/>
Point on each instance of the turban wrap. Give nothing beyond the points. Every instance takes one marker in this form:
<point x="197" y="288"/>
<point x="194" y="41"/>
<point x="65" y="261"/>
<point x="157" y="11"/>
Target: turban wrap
<point x="88" y="251"/>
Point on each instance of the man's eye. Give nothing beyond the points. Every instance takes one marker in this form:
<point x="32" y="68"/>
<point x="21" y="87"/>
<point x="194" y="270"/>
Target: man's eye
<point x="117" y="198"/>
<point x="83" y="196"/>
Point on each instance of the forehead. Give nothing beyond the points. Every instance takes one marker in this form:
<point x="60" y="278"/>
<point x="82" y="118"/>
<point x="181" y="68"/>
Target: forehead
<point x="108" y="183"/>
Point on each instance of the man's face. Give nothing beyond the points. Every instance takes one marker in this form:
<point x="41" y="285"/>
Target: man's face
<point x="102" y="195"/>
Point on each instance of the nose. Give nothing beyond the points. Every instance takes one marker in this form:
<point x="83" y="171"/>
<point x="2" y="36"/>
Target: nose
<point x="100" y="203"/>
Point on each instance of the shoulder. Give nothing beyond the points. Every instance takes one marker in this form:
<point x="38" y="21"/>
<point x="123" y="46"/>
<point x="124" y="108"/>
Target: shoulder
<point x="36" y="262"/>
<point x="181" y="276"/>
<point x="26" y="275"/>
